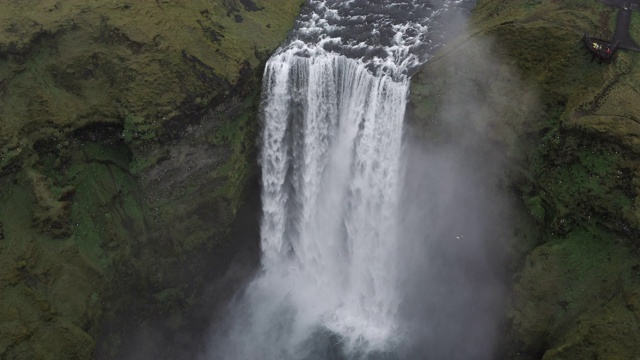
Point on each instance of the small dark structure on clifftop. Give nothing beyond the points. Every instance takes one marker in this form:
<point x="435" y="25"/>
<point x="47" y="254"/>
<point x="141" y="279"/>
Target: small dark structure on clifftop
<point x="605" y="50"/>
<point x="600" y="49"/>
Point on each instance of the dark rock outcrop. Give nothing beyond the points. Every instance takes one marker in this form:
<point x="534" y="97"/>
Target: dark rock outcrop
<point x="127" y="138"/>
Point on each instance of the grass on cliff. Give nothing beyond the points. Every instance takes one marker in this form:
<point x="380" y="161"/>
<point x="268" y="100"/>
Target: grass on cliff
<point x="241" y="134"/>
<point x="48" y="288"/>
<point x="583" y="148"/>
<point x="575" y="168"/>
<point x="64" y="65"/>
<point x="571" y="292"/>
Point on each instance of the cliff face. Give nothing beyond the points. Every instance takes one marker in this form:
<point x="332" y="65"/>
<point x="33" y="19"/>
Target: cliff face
<point x="127" y="137"/>
<point x="569" y="128"/>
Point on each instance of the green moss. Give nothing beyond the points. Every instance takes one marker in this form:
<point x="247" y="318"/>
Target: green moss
<point x="635" y="26"/>
<point x="117" y="155"/>
<point x="44" y="283"/>
<point x="106" y="210"/>
<point x="87" y="228"/>
<point x="141" y="163"/>
<point x="239" y="133"/>
<point x="572" y="282"/>
<point x="536" y="209"/>
<point x="426" y="107"/>
<point x="581" y="178"/>
<point x="588" y="253"/>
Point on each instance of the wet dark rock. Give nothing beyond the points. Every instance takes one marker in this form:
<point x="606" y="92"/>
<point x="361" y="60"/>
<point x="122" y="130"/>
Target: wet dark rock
<point x="250" y="5"/>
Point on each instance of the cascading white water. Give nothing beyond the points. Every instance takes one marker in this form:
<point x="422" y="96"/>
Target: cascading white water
<point x="334" y="103"/>
<point x="331" y="155"/>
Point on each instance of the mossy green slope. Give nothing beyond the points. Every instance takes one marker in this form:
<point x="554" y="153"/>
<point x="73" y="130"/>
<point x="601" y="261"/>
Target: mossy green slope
<point x="569" y="127"/>
<point x="127" y="137"/>
<point x="72" y="63"/>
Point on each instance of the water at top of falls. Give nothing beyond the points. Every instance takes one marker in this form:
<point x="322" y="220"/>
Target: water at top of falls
<point x="390" y="36"/>
<point x="334" y="101"/>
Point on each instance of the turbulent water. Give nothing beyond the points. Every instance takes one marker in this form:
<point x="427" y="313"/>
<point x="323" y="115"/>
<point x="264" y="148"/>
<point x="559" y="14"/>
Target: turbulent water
<point x="333" y="110"/>
<point x="331" y="157"/>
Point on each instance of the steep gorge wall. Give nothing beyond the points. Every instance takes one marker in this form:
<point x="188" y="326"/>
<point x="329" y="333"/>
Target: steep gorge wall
<point x="127" y="139"/>
<point x="568" y="128"/>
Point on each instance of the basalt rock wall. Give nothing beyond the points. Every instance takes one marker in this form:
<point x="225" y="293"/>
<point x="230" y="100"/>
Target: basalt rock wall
<point x="127" y="140"/>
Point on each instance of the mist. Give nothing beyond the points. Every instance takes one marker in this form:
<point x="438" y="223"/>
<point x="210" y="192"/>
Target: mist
<point x="458" y="210"/>
<point x="456" y="223"/>
<point x="369" y="254"/>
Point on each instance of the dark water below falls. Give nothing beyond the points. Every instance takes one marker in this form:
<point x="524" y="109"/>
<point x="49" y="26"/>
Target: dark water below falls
<point x="333" y="159"/>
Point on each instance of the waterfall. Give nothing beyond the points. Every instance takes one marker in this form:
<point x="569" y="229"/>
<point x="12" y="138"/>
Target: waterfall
<point x="331" y="161"/>
<point x="334" y="101"/>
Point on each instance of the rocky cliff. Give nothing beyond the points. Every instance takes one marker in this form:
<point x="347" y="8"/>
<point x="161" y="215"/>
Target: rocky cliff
<point x="127" y="140"/>
<point x="569" y="127"/>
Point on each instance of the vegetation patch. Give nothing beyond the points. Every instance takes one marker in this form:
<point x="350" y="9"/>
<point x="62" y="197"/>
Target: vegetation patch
<point x="126" y="193"/>
<point x="574" y="166"/>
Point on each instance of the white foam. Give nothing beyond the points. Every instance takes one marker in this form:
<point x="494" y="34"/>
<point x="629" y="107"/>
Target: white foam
<point x="344" y="163"/>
